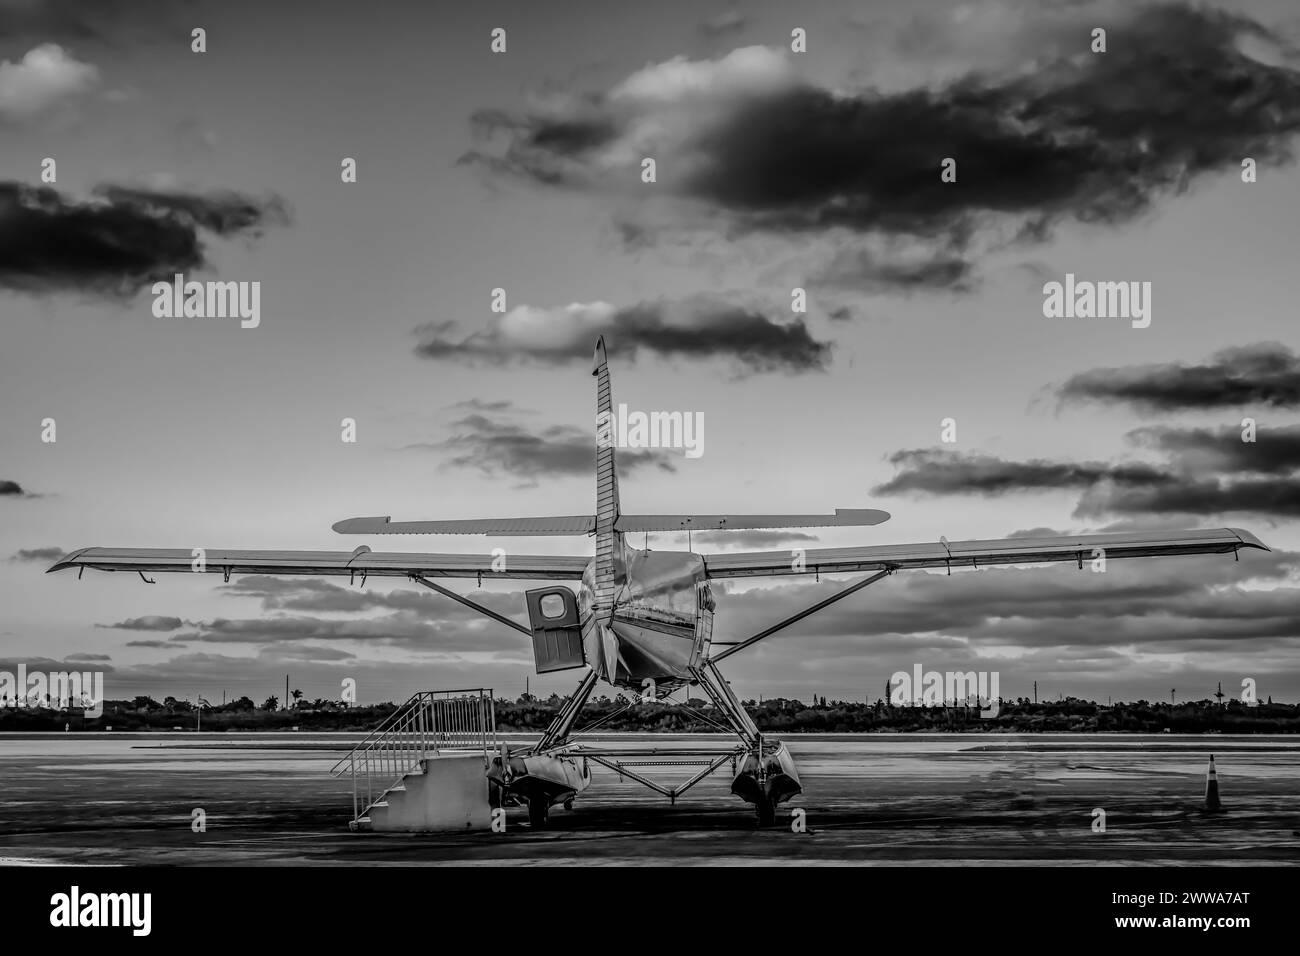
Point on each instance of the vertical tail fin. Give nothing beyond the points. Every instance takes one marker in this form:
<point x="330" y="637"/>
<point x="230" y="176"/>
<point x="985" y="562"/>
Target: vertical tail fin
<point x="608" y="548"/>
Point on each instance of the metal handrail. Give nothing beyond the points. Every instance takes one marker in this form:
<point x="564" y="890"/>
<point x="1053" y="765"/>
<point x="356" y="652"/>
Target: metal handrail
<point x="428" y="722"/>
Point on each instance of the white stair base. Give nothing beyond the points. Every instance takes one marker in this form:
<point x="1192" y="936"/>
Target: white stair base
<point x="447" y="792"/>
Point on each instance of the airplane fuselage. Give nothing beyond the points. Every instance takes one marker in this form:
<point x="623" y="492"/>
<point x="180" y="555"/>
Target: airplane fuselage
<point x="661" y="622"/>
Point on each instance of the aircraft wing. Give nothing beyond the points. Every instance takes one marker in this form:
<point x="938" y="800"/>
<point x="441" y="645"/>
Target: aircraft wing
<point x="362" y="561"/>
<point x="956" y="554"/>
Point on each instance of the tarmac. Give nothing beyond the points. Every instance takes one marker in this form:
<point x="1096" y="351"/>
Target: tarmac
<point x="960" y="799"/>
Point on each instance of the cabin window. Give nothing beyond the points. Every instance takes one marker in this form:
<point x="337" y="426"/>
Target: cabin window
<point x="552" y="605"/>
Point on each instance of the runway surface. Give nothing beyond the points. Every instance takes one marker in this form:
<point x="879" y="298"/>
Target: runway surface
<point x="871" y="799"/>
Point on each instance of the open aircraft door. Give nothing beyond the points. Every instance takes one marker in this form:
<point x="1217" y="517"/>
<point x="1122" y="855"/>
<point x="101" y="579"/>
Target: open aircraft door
<point x="557" y="629"/>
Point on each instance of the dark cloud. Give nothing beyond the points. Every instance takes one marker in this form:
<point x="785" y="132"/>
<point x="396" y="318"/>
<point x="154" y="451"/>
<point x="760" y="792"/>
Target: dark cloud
<point x="38" y="554"/>
<point x="12" y="489"/>
<point x="1275" y="450"/>
<point x="938" y="472"/>
<point x="698" y="327"/>
<point x="88" y="657"/>
<point x="224" y="213"/>
<point x="1266" y="374"/>
<point x="321" y="596"/>
<point x="1179" y="486"/>
<point x="1175" y="602"/>
<point x="150" y="622"/>
<point x="494" y="446"/>
<point x="866" y="271"/>
<point x="1182" y="92"/>
<point x="168" y="645"/>
<point x="120" y="242"/>
<point x="1264" y="497"/>
<point x="402" y="629"/>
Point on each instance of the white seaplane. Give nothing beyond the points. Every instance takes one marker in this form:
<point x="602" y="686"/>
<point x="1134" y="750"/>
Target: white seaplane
<point x="644" y="618"/>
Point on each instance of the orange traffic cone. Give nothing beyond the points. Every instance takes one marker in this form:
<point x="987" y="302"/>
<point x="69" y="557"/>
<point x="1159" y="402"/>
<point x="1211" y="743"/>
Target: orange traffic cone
<point x="1211" y="787"/>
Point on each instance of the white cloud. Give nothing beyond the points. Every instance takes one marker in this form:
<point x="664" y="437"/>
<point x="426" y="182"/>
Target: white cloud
<point x="40" y="81"/>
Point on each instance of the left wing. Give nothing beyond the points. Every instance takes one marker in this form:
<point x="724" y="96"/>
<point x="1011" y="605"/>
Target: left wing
<point x="980" y="553"/>
<point x="362" y="561"/>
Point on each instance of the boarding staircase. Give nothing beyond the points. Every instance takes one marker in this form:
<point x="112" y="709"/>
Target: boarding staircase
<point x="391" y="759"/>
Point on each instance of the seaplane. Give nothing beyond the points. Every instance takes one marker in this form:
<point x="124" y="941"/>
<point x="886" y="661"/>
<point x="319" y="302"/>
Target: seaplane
<point x="642" y="619"/>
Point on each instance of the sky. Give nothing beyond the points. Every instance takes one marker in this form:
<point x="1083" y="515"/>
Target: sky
<point x="775" y="169"/>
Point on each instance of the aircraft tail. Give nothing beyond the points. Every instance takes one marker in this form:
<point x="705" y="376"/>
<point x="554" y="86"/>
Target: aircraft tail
<point x="608" y="545"/>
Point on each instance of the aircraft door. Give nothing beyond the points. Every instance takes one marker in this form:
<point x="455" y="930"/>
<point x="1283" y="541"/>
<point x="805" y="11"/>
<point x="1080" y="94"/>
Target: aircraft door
<point x="557" y="629"/>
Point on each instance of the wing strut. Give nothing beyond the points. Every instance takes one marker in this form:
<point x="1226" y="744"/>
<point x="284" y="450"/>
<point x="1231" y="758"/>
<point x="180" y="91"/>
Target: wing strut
<point x="838" y="595"/>
<point x="446" y="592"/>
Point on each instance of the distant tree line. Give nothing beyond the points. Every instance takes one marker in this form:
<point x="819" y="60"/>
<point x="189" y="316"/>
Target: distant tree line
<point x="776" y="715"/>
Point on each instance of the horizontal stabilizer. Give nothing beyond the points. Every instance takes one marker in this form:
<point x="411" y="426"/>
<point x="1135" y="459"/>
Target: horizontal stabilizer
<point x="843" y="518"/>
<point x="493" y="527"/>
<point x="586" y="524"/>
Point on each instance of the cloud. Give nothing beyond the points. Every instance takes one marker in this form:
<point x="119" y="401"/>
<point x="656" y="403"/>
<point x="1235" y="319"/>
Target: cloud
<point x="88" y="657"/>
<point x="37" y="554"/>
<point x="168" y="645"/>
<point x="1183" y="92"/>
<point x="150" y="622"/>
<point x="937" y="472"/>
<point x="405" y="629"/>
<point x="1179" y="486"/>
<point x="1178" y="603"/>
<point x="886" y="270"/>
<point x="697" y="327"/>
<point x="321" y="596"/>
<point x="1275" y="450"/>
<point x="1265" y="374"/>
<point x="11" y="489"/>
<point x="120" y="242"/>
<point x="46" y="664"/>
<point x="1264" y="497"/>
<point x="46" y="77"/>
<point x="494" y="446"/>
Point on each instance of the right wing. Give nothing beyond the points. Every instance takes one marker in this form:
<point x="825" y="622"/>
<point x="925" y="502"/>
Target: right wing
<point x="979" y="553"/>
<point x="362" y="561"/>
